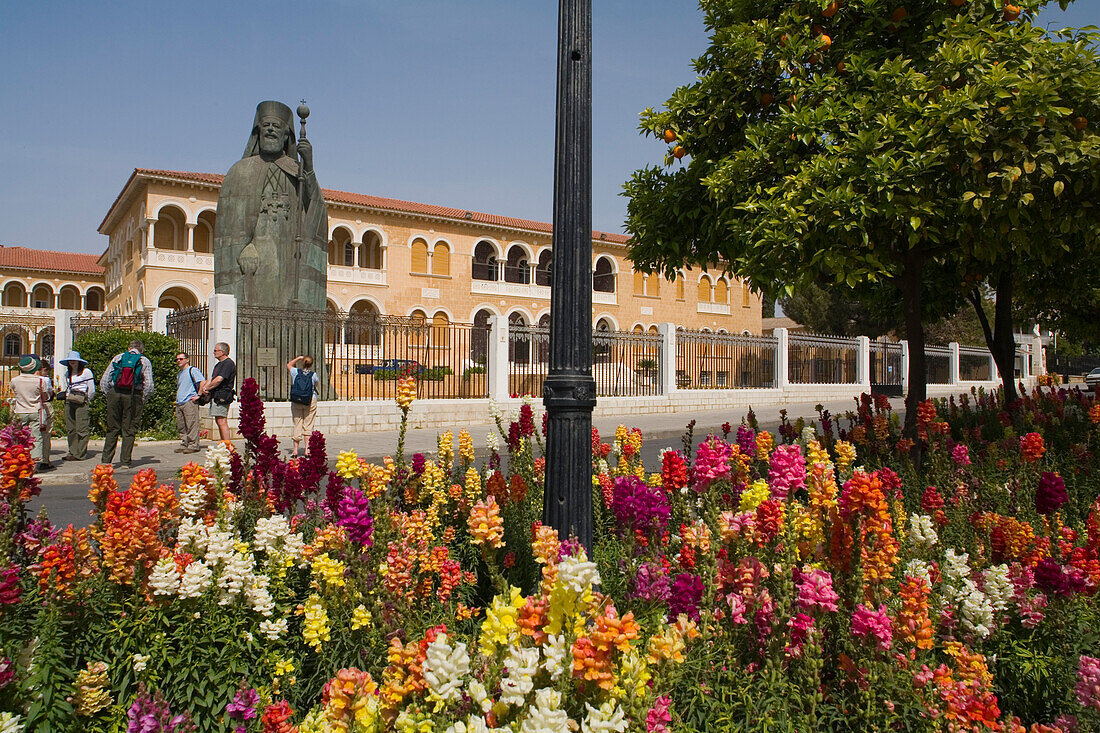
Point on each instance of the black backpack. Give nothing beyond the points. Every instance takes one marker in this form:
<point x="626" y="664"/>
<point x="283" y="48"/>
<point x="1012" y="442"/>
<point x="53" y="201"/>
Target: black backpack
<point x="301" y="391"/>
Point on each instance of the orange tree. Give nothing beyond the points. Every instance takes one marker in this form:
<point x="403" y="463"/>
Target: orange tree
<point x="891" y="146"/>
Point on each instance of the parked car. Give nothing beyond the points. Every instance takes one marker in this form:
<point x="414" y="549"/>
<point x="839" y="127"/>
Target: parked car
<point x="1093" y="378"/>
<point x="400" y="367"/>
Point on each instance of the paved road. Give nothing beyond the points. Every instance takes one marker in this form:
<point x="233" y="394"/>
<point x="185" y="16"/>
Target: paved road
<point x="65" y="490"/>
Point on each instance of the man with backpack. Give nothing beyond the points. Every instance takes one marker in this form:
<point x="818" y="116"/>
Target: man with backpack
<point x="219" y="389"/>
<point x="127" y="382"/>
<point x="188" y="385"/>
<point x="303" y="398"/>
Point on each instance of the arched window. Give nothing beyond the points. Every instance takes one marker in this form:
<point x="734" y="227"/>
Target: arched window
<point x="170" y="231"/>
<point x="479" y="338"/>
<point x="15" y="295"/>
<point x="679" y="286"/>
<point x="13" y="344"/>
<point x="42" y="296"/>
<point x="484" y="264"/>
<point x="647" y="284"/>
<point x="746" y="295"/>
<point x="418" y="335"/>
<point x="441" y="260"/>
<point x="601" y="348"/>
<point x="721" y="292"/>
<point x="706" y="295"/>
<point x="68" y="298"/>
<point x="519" y="350"/>
<point x="45" y="342"/>
<point x="440" y="329"/>
<point x="371" y="251"/>
<point x="343" y="248"/>
<point x="542" y="346"/>
<point x="639" y="283"/>
<point x="93" y="299"/>
<point x="419" y="257"/>
<point x="204" y="232"/>
<point x="363" y="324"/>
<point x="516" y="269"/>
<point x="603" y="279"/>
<point x="542" y="270"/>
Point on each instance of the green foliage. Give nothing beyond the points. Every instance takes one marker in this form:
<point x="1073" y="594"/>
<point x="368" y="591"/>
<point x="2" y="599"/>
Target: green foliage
<point x="921" y="152"/>
<point x="99" y="347"/>
<point x="834" y="311"/>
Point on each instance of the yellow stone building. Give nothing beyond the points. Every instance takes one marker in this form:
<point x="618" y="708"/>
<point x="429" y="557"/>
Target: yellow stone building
<point x="402" y="258"/>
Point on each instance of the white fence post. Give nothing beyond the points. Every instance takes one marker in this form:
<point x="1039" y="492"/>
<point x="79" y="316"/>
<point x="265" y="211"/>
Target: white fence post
<point x="1037" y="356"/>
<point x="953" y="362"/>
<point x="781" y="359"/>
<point x="863" y="363"/>
<point x="158" y="323"/>
<point x="905" y="367"/>
<point x="1025" y="362"/>
<point x="498" y="358"/>
<point x="223" y="326"/>
<point x="668" y="357"/>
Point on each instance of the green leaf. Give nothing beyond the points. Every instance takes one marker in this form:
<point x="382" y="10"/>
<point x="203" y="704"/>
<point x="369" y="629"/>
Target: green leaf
<point x="1058" y="188"/>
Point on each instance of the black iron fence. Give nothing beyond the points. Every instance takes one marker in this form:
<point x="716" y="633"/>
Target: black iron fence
<point x="813" y="359"/>
<point x="625" y="363"/>
<point x="975" y="364"/>
<point x="706" y="360"/>
<point x="101" y="321"/>
<point x="937" y="364"/>
<point x="191" y="328"/>
<point x="361" y="356"/>
<point x="886" y="363"/>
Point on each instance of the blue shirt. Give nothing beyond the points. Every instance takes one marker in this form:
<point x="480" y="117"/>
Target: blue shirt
<point x="185" y="384"/>
<point x="316" y="380"/>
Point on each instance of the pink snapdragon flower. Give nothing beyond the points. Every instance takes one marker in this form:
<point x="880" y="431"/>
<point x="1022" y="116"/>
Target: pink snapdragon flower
<point x="712" y="462"/>
<point x="867" y="622"/>
<point x="1088" y="682"/>
<point x="961" y="455"/>
<point x="787" y="472"/>
<point x="815" y="590"/>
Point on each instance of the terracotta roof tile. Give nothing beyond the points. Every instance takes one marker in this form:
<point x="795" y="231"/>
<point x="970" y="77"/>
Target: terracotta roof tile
<point x="25" y="258"/>
<point x="408" y="207"/>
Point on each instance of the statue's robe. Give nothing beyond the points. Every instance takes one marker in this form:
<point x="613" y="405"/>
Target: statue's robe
<point x="256" y="257"/>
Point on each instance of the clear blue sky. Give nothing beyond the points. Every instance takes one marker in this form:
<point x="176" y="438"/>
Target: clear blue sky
<point x="447" y="102"/>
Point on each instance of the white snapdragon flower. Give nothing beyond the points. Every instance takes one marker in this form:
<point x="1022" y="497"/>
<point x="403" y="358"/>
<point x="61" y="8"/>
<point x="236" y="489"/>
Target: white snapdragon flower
<point x="196" y="579"/>
<point x="480" y="695"/>
<point x="975" y="611"/>
<point x="607" y="718"/>
<point x="918" y="569"/>
<point x="218" y="455"/>
<point x="192" y="499"/>
<point x="165" y="579"/>
<point x="956" y="571"/>
<point x="546" y="715"/>
<point x="520" y="668"/>
<point x="257" y="595"/>
<point x="997" y="587"/>
<point x="10" y="723"/>
<point x="219" y="546"/>
<point x="140" y="662"/>
<point x="922" y="532"/>
<point x="492" y="442"/>
<point x="577" y="574"/>
<point x="495" y="410"/>
<point x="273" y="630"/>
<point x="808" y="434"/>
<point x="555" y="651"/>
<point x="191" y="535"/>
<point x="445" y="667"/>
<point x="236" y="575"/>
<point x="270" y="533"/>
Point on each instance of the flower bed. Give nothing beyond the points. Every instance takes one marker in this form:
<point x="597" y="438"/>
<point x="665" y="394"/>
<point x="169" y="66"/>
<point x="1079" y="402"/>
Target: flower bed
<point x="809" y="580"/>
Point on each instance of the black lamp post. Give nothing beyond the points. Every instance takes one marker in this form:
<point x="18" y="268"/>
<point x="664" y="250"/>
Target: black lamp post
<point x="570" y="391"/>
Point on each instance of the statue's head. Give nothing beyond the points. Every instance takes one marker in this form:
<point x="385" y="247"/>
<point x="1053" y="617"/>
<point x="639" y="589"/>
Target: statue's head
<point x="272" y="130"/>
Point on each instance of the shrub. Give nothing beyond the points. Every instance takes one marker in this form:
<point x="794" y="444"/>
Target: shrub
<point x="99" y="347"/>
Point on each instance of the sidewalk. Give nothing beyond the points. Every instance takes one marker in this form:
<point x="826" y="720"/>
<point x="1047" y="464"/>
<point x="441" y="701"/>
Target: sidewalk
<point x="667" y="428"/>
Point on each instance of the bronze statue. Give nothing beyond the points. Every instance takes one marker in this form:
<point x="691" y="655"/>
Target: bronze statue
<point x="271" y="235"/>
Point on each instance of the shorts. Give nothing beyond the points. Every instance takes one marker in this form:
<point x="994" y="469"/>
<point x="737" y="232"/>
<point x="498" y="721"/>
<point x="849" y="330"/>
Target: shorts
<point x="217" y="410"/>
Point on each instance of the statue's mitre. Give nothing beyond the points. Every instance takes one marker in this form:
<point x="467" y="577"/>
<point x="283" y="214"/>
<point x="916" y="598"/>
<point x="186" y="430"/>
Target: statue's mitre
<point x="274" y="109"/>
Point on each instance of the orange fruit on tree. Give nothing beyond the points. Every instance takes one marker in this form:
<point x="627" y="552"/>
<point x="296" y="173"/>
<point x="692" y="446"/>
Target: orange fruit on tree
<point x="841" y="67"/>
<point x="899" y="14"/>
<point x="784" y="39"/>
<point x="831" y="9"/>
<point x="826" y="41"/>
<point x="669" y="136"/>
<point x="1012" y="12"/>
<point x="958" y="3"/>
<point x="1042" y="121"/>
<point x="678" y="152"/>
<point x="766" y="98"/>
<point x="1080" y="123"/>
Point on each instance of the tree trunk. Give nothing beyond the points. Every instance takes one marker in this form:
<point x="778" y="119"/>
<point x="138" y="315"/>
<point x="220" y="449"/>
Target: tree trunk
<point x="1003" y="346"/>
<point x="914" y="335"/>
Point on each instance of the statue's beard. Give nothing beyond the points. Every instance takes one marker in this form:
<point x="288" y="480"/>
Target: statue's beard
<point x="269" y="146"/>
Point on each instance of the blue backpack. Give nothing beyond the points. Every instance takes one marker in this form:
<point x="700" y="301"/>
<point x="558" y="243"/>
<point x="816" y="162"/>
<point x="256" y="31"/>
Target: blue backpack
<point x="301" y="391"/>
